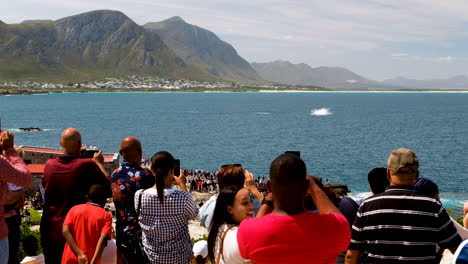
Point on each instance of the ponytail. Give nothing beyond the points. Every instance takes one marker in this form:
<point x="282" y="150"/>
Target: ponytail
<point x="161" y="163"/>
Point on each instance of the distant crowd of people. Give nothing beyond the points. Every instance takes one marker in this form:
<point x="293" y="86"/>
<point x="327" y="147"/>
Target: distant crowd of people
<point x="295" y="219"/>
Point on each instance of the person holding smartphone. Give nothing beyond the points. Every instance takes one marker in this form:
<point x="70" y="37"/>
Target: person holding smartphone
<point x="67" y="179"/>
<point x="12" y="170"/>
<point x="164" y="213"/>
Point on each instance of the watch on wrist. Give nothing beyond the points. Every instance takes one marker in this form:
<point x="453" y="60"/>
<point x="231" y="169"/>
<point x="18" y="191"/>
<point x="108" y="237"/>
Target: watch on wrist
<point x="267" y="202"/>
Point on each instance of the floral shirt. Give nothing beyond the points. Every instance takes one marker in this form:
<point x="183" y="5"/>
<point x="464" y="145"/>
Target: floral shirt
<point x="125" y="181"/>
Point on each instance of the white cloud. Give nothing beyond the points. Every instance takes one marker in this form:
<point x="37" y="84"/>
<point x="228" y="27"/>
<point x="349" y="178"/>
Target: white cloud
<point x="400" y="55"/>
<point x="447" y="59"/>
<point x="444" y="59"/>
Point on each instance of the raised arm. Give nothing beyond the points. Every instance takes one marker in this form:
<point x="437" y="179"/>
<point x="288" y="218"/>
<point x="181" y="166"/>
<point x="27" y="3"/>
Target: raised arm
<point x="267" y="207"/>
<point x="82" y="258"/>
<point x="181" y="181"/>
<point x="12" y="167"/>
<point x="251" y="186"/>
<point x="324" y="205"/>
<point x="98" y="158"/>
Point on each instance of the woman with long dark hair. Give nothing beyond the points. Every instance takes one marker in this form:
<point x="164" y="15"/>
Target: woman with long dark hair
<point x="165" y="212"/>
<point x="232" y="206"/>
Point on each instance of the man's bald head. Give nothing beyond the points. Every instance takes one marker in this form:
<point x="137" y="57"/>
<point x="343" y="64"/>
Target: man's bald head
<point x="131" y="150"/>
<point x="71" y="141"/>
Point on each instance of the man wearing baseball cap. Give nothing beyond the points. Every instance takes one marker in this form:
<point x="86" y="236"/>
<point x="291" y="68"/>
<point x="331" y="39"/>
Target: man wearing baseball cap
<point x="400" y="225"/>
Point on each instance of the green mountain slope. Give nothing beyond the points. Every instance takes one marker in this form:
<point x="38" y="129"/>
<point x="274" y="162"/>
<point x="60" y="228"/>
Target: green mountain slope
<point x="200" y="47"/>
<point x="87" y="46"/>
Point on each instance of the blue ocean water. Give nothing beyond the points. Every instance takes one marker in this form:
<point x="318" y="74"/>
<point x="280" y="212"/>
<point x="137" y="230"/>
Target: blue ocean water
<point x="354" y="132"/>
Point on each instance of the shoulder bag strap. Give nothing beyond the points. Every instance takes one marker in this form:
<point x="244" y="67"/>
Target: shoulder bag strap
<point x="222" y="244"/>
<point x="139" y="204"/>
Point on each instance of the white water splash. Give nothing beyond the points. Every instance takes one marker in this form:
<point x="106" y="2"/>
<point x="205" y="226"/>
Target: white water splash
<point x="320" y="112"/>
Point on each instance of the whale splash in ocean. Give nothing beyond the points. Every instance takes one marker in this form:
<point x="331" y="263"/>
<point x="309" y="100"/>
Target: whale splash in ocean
<point x="320" y="112"/>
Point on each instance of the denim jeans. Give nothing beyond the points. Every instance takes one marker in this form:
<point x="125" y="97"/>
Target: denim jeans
<point x="4" y="251"/>
<point x="14" y="235"/>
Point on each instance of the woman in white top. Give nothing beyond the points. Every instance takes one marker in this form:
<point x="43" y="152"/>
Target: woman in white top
<point x="164" y="214"/>
<point x="232" y="206"/>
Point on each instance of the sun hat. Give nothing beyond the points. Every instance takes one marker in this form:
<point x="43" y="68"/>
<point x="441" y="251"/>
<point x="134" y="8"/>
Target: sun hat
<point x="200" y="248"/>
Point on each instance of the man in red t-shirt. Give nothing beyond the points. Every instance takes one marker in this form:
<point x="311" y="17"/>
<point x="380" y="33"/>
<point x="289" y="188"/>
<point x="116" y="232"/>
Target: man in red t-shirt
<point x="290" y="234"/>
<point x="86" y="229"/>
<point x="67" y="179"/>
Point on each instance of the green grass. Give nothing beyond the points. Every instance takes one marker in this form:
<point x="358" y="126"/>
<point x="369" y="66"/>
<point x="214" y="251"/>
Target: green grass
<point x="35" y="216"/>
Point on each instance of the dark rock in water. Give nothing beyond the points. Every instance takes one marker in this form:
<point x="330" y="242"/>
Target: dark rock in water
<point x="30" y="129"/>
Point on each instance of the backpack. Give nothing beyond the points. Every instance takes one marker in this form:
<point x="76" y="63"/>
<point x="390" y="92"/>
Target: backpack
<point x="133" y="241"/>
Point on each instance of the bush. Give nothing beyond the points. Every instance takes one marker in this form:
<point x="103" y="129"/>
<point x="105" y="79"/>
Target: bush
<point x="26" y="231"/>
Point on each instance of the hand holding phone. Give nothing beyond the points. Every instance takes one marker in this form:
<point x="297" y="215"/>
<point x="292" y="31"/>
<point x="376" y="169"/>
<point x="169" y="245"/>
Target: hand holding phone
<point x="98" y="157"/>
<point x="176" y="167"/>
<point x="88" y="153"/>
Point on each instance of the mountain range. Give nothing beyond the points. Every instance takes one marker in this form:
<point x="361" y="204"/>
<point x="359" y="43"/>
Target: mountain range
<point x="90" y="45"/>
<point x="344" y="79"/>
<point x="302" y="74"/>
<point x="456" y="82"/>
<point x="106" y="43"/>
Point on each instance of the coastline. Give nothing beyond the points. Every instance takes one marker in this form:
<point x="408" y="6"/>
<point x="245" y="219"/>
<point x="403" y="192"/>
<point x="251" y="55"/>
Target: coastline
<point x="11" y="92"/>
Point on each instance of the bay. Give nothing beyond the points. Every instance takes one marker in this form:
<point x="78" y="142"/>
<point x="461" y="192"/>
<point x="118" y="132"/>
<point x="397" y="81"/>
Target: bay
<point x="354" y="133"/>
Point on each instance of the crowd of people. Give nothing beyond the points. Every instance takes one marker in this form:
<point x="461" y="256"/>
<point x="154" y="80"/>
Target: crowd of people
<point x="296" y="219"/>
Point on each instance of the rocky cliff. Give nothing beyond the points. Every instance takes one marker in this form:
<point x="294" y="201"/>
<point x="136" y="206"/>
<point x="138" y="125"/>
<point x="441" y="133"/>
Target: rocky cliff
<point x="200" y="47"/>
<point x="91" y="45"/>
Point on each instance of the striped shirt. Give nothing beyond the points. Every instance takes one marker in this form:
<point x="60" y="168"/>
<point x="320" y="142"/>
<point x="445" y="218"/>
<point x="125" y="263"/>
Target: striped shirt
<point x="402" y="226"/>
<point x="165" y="226"/>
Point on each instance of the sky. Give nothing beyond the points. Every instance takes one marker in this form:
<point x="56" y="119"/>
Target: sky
<point x="378" y="39"/>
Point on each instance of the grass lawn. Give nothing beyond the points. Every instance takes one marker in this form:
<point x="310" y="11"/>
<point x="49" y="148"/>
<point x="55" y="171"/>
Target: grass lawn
<point x="35" y="216"/>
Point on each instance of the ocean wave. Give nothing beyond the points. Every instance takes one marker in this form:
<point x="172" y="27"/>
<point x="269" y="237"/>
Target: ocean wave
<point x="320" y="112"/>
<point x="262" y="113"/>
